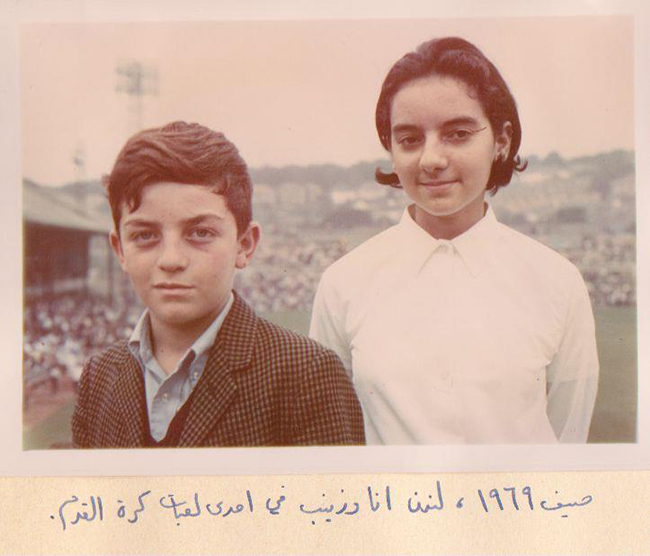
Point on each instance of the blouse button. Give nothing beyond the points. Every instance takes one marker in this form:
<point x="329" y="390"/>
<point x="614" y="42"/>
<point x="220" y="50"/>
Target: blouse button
<point x="165" y="397"/>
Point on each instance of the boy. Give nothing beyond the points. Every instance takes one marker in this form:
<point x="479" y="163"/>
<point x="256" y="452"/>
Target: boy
<point x="200" y="369"/>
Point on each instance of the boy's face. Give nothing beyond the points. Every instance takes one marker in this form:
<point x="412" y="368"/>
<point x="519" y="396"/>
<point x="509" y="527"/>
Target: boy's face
<point x="180" y="249"/>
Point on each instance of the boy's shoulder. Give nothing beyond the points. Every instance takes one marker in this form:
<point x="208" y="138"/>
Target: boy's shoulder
<point x="110" y="360"/>
<point x="278" y="341"/>
<point x="271" y="345"/>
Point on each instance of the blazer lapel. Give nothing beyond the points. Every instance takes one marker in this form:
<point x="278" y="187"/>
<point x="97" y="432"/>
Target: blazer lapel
<point x="213" y="394"/>
<point x="130" y="404"/>
<point x="217" y="389"/>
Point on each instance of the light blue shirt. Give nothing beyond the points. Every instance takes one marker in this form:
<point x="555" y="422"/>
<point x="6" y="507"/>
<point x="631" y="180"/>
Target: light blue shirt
<point x="167" y="393"/>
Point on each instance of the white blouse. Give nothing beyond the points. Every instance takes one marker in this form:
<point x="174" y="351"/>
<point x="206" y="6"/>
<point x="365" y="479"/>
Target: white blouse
<point x="485" y="338"/>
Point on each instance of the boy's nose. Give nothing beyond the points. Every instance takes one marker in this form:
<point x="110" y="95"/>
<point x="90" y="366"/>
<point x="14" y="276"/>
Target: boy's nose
<point x="172" y="256"/>
<point x="433" y="157"/>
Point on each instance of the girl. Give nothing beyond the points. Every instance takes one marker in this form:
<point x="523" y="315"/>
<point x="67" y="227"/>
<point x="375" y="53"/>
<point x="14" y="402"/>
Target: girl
<point x="454" y="327"/>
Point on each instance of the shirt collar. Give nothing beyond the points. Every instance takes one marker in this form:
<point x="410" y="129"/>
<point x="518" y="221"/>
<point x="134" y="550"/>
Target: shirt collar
<point x="473" y="245"/>
<point x="140" y="340"/>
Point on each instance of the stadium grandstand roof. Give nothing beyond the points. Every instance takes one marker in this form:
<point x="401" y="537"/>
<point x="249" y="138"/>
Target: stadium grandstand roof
<point x="49" y="207"/>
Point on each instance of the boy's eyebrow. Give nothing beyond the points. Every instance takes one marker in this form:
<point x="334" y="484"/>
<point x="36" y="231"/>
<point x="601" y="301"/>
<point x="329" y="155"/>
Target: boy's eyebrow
<point x="189" y="221"/>
<point x="139" y="222"/>
<point x="202" y="217"/>
<point x="404" y="127"/>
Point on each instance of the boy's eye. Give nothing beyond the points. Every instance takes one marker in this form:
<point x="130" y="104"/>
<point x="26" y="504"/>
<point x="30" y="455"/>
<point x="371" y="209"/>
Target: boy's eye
<point x="408" y="140"/>
<point x="201" y="233"/>
<point x="144" y="236"/>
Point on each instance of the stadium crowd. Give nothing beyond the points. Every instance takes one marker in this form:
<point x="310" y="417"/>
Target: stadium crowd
<point x="61" y="333"/>
<point x="285" y="272"/>
<point x="608" y="265"/>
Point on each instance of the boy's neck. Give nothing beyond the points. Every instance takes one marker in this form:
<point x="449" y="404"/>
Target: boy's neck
<point x="170" y="342"/>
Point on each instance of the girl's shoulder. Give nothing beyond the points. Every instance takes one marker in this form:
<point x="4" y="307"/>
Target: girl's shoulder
<point x="367" y="257"/>
<point x="538" y="256"/>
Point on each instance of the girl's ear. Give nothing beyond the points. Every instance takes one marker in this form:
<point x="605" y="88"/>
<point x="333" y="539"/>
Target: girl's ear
<point x="502" y="142"/>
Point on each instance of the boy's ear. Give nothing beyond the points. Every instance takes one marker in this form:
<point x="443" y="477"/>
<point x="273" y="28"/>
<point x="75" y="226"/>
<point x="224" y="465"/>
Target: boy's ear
<point x="247" y="243"/>
<point x="116" y="244"/>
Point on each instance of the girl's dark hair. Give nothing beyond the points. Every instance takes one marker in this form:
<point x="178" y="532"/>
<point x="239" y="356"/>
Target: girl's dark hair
<point x="455" y="57"/>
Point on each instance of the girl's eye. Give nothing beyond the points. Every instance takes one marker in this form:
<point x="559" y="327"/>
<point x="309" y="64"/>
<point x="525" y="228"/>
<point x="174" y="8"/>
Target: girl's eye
<point x="458" y="135"/>
<point x="461" y="134"/>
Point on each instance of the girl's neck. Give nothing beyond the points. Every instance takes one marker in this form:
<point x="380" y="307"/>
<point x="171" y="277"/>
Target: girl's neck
<point x="449" y="226"/>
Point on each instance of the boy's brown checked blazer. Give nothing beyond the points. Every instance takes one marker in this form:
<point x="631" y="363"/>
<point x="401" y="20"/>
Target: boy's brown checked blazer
<point x="262" y="386"/>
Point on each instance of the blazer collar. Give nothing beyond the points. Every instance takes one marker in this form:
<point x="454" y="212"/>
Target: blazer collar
<point x="216" y="389"/>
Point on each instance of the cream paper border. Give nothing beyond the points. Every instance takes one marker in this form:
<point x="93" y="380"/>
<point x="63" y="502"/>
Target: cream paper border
<point x="586" y="513"/>
<point x="624" y="494"/>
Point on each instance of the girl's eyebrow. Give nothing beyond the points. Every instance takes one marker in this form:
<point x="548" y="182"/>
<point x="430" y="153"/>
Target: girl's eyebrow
<point x="460" y="120"/>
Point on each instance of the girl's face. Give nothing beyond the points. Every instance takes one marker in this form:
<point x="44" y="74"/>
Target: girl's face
<point x="443" y="147"/>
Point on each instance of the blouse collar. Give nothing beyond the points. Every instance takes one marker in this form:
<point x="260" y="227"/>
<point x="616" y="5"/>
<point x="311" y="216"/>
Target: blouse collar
<point x="473" y="246"/>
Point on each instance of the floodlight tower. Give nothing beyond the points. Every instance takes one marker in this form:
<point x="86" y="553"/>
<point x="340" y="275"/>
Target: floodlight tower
<point x="79" y="161"/>
<point x="136" y="80"/>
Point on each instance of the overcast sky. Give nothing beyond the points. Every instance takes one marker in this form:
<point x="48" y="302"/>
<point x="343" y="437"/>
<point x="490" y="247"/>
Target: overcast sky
<point x="304" y="92"/>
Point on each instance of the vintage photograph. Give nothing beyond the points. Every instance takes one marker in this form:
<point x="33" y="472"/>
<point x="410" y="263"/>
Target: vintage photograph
<point x="396" y="232"/>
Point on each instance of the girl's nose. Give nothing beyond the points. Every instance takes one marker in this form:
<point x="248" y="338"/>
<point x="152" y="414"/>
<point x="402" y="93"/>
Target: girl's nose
<point x="433" y="157"/>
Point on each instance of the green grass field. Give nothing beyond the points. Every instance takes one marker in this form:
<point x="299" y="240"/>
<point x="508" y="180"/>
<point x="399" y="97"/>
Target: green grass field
<point x="616" y="406"/>
<point x="615" y="415"/>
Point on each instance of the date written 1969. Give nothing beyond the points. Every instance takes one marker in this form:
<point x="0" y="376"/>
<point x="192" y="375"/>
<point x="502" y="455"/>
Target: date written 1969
<point x="507" y="498"/>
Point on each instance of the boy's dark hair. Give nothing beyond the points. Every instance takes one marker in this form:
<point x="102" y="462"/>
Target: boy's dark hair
<point x="180" y="153"/>
<point x="460" y="59"/>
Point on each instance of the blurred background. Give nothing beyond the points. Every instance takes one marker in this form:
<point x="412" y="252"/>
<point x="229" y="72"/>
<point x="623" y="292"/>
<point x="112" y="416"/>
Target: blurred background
<point x="298" y="100"/>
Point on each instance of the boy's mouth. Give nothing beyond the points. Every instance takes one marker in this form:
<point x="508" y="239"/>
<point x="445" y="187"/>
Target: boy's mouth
<point x="171" y="286"/>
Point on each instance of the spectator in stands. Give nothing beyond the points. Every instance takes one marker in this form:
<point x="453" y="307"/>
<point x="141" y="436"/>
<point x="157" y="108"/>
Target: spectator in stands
<point x="456" y="328"/>
<point x="200" y="369"/>
<point x="58" y="337"/>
